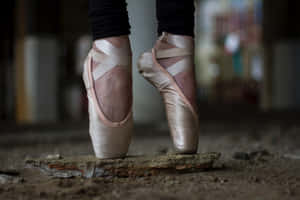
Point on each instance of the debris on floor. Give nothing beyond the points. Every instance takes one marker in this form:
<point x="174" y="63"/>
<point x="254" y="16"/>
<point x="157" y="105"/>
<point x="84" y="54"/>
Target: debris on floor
<point x="89" y="166"/>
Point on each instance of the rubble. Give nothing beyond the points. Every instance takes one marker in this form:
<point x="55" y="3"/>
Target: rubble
<point x="89" y="166"/>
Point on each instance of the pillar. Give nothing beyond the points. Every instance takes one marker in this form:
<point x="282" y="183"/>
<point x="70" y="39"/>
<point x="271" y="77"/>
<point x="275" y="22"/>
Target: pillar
<point x="36" y="60"/>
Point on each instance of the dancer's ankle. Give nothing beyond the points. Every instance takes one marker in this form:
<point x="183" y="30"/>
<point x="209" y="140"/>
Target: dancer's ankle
<point x="117" y="41"/>
<point x="114" y="89"/>
<point x="186" y="79"/>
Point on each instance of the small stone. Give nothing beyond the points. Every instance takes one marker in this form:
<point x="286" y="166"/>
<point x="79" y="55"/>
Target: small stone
<point x="53" y="156"/>
<point x="241" y="156"/>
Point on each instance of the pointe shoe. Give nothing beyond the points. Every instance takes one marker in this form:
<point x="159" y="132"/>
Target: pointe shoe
<point x="110" y="139"/>
<point x="181" y="115"/>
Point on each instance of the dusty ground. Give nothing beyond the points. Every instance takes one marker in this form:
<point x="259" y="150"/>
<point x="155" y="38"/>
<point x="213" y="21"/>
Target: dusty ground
<point x="272" y="173"/>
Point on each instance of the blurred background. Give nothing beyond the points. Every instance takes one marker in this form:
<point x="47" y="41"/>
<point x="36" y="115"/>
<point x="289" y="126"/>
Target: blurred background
<point x="247" y="68"/>
<point x="247" y="60"/>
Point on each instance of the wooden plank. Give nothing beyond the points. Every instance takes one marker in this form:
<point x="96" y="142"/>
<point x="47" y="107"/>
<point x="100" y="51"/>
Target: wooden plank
<point x="89" y="166"/>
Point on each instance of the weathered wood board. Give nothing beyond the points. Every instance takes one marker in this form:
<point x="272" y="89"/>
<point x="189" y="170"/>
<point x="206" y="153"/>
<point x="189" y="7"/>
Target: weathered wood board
<point x="89" y="166"/>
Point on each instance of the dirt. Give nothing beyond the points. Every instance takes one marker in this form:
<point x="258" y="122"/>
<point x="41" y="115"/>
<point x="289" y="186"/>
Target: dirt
<point x="258" y="162"/>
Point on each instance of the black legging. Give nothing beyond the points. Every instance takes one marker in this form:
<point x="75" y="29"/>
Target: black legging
<point x="110" y="18"/>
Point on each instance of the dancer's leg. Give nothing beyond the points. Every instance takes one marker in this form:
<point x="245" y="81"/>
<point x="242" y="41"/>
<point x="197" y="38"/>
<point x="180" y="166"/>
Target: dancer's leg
<point x="170" y="68"/>
<point x="109" y="20"/>
<point x="177" y="18"/>
<point x="107" y="77"/>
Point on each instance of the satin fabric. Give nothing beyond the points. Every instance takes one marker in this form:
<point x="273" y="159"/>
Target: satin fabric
<point x="109" y="139"/>
<point x="182" y="118"/>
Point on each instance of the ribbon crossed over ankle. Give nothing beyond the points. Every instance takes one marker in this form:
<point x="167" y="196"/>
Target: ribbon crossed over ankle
<point x="108" y="57"/>
<point x="183" y="47"/>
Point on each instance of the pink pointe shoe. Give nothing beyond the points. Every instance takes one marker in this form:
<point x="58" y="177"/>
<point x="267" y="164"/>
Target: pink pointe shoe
<point x="110" y="139"/>
<point x="181" y="115"/>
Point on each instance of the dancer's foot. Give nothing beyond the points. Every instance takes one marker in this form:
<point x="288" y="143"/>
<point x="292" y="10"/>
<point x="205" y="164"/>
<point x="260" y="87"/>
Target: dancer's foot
<point x="107" y="77"/>
<point x="185" y="79"/>
<point x="114" y="89"/>
<point x="170" y="68"/>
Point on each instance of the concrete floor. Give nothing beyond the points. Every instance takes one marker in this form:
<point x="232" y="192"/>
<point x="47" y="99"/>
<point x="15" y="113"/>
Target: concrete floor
<point x="279" y="175"/>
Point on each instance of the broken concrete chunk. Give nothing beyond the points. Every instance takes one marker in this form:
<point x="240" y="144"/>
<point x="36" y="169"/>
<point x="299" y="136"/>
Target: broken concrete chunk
<point x="89" y="166"/>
